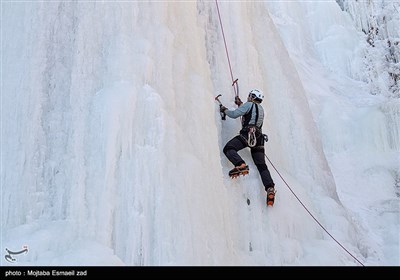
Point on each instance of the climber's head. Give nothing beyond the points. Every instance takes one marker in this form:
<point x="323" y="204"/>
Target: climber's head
<point x="256" y="95"/>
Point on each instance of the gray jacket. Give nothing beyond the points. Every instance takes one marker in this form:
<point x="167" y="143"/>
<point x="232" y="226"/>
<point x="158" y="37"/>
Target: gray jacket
<point x="245" y="109"/>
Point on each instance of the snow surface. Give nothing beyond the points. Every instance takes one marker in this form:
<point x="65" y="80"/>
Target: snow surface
<point x="111" y="140"/>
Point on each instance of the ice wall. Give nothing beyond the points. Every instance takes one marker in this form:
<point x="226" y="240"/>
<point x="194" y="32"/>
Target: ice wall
<point x="112" y="142"/>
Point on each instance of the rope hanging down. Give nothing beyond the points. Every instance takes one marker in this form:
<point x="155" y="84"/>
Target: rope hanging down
<point x="234" y="82"/>
<point x="315" y="219"/>
<point x="236" y="90"/>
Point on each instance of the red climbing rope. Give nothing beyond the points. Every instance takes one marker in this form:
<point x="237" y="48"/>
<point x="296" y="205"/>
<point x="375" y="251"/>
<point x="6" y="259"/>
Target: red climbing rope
<point x="236" y="89"/>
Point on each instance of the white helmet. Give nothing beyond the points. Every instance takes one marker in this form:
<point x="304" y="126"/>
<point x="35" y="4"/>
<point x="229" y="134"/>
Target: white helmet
<point x="256" y="95"/>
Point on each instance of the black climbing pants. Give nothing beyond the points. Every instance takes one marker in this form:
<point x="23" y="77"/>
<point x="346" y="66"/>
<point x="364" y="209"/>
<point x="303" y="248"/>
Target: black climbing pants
<point x="257" y="153"/>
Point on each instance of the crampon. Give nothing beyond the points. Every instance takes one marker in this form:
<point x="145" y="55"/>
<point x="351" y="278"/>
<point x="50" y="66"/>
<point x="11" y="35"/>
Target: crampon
<point x="270" y="196"/>
<point x="239" y="170"/>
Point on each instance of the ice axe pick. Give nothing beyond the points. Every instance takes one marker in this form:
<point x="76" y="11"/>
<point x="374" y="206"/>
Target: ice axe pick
<point x="223" y="115"/>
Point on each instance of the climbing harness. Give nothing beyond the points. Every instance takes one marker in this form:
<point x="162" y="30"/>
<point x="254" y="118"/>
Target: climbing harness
<point x="252" y="136"/>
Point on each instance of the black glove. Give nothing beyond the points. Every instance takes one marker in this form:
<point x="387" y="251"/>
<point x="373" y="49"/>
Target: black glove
<point x="238" y="101"/>
<point x="222" y="108"/>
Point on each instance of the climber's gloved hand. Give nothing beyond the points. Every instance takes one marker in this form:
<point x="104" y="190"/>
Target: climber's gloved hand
<point x="222" y="108"/>
<point x="238" y="101"/>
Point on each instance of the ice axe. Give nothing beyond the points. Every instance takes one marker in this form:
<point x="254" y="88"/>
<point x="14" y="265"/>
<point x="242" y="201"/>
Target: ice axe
<point x="223" y="115"/>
